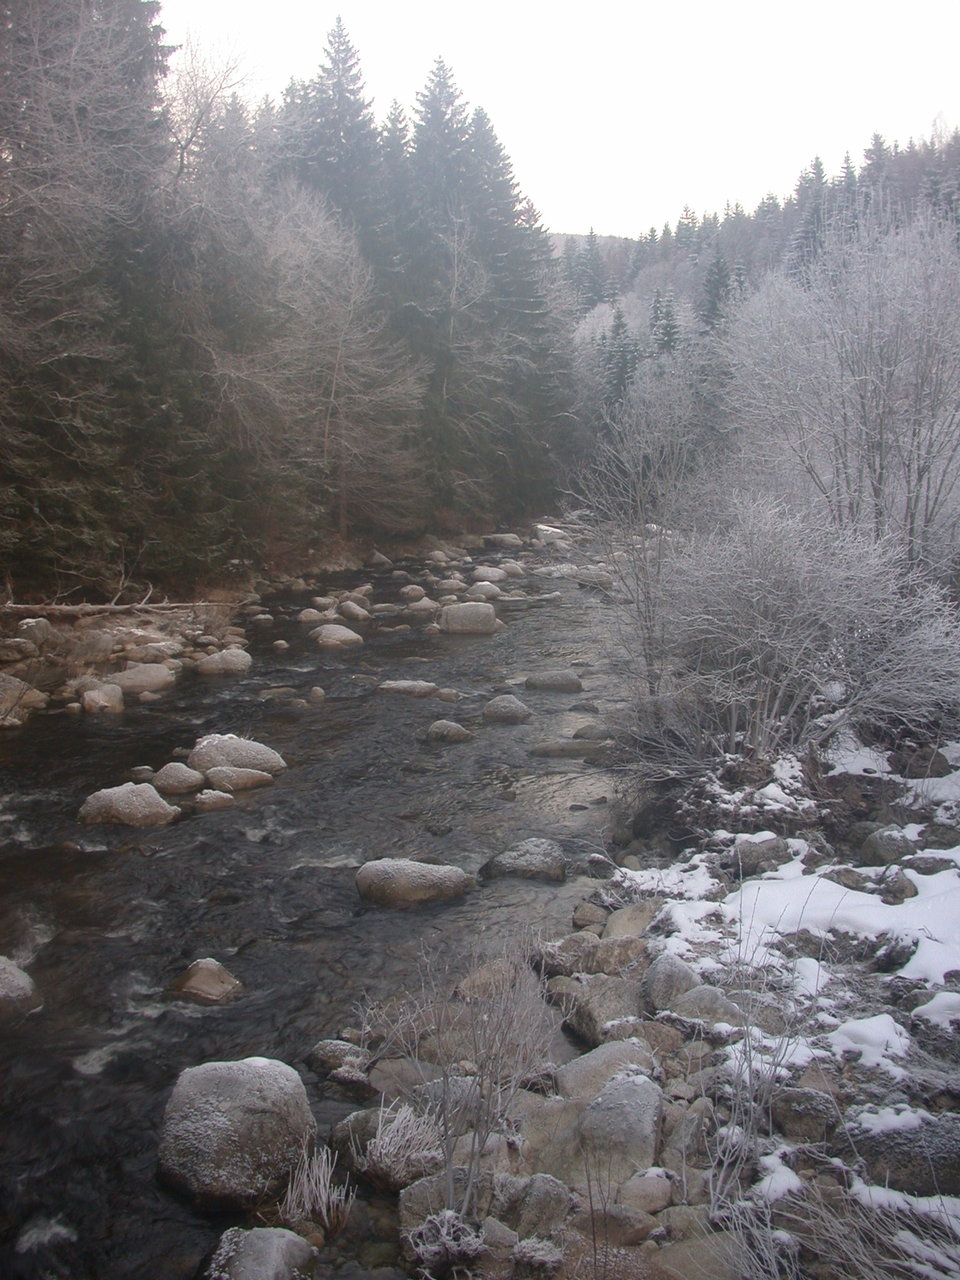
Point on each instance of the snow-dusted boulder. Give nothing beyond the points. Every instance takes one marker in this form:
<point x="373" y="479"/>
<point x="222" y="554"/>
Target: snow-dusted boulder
<point x="588" y="1074"/>
<point x="227" y="777"/>
<point x="506" y="709"/>
<point x="471" y="617"/>
<point x="104" y="699"/>
<point x="210" y="801"/>
<point x="262" y="1253"/>
<point x="144" y="677"/>
<point x="666" y="979"/>
<point x="241" y="753"/>
<point x="884" y="847"/>
<point x="621" y="1126"/>
<point x="448" y="731"/>
<point x="134" y="804"/>
<point x="17" y="990"/>
<point x="533" y="859"/>
<point x="412" y="688"/>
<point x="177" y="779"/>
<point x="233" y="1131"/>
<point x="334" y="636"/>
<point x="228" y="662"/>
<point x="399" y="882"/>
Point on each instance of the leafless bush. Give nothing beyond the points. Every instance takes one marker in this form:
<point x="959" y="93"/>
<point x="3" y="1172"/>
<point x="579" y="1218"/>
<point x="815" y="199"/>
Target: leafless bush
<point x="312" y="1193"/>
<point x="444" y="1243"/>
<point x="406" y="1146"/>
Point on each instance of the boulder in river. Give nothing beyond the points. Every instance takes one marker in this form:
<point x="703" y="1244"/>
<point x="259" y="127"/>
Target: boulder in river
<point x="134" y="804"/>
<point x="227" y="777"/>
<point x="262" y="1253"/>
<point x="145" y="677"/>
<point x="228" y="749"/>
<point x="400" y="882"/>
<point x="228" y="662"/>
<point x="506" y="709"/>
<point x="177" y="779"/>
<point x="17" y="990"/>
<point x="334" y="636"/>
<point x="18" y="699"/>
<point x="104" y="698"/>
<point x="534" y="859"/>
<point x="555" y="681"/>
<point x="448" y="731"/>
<point x="412" y="688"/>
<point x="471" y="617"/>
<point x="206" y="981"/>
<point x="233" y="1131"/>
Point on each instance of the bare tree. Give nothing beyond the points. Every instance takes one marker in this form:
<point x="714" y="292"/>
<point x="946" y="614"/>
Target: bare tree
<point x="855" y="371"/>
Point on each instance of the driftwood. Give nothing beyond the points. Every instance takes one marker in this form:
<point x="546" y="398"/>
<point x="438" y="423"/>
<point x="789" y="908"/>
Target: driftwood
<point x="89" y="610"/>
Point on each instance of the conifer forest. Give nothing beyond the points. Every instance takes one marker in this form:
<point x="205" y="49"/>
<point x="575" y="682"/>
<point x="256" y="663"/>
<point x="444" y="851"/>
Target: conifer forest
<point x="233" y="332"/>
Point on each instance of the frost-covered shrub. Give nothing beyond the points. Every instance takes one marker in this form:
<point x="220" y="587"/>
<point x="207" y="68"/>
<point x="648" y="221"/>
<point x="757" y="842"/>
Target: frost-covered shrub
<point x="444" y="1241"/>
<point x="406" y="1146"/>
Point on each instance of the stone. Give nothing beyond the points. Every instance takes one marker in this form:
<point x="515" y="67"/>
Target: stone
<point x="587" y="1075"/>
<point x="334" y="636"/>
<point x="617" y="1225"/>
<point x="226" y="777"/>
<point x="18" y="992"/>
<point x="883" y="847"/>
<point x="705" y="1003"/>
<point x="667" y="978"/>
<point x="754" y="854"/>
<point x="216" y="749"/>
<point x="602" y="1000"/>
<point x="488" y="573"/>
<point x="505" y="541"/>
<point x="646" y="1192"/>
<point x="589" y="915"/>
<point x="353" y="611"/>
<point x="177" y="779"/>
<point x="206" y="981"/>
<point x="506" y="709"/>
<point x="228" y="662"/>
<point x="447" y="731"/>
<point x="411" y="688"/>
<point x="533" y="859"/>
<point x="564" y="957"/>
<point x="555" y="681"/>
<point x="311" y="616"/>
<point x="632" y="921"/>
<point x="262" y="1253"/>
<point x="233" y="1132"/>
<point x="483" y="591"/>
<point x="920" y="762"/>
<point x="621" y="1126"/>
<point x="471" y="617"/>
<point x="400" y="882"/>
<point x="412" y="592"/>
<point x="425" y="608"/>
<point x="804" y="1115"/>
<point x="40" y="631"/>
<point x="332" y="1055"/>
<point x="105" y="699"/>
<point x="134" y="804"/>
<point x="919" y="1154"/>
<point x="717" y="1254"/>
<point x="210" y="801"/>
<point x="17" y="649"/>
<point x="615" y="956"/>
<point x="18" y="699"/>
<point x="154" y="651"/>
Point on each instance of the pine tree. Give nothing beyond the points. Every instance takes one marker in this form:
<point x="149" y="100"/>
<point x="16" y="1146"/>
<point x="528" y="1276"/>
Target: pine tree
<point x="593" y="279"/>
<point x="715" y="300"/>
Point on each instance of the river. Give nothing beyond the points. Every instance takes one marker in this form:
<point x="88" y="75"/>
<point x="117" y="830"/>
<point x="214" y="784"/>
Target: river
<point x="104" y="918"/>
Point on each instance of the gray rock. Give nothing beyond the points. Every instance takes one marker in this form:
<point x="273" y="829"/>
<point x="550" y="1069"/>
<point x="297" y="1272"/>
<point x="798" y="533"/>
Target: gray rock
<point x="621" y="1126"/>
<point x="555" y="681"/>
<point x="488" y="573"/>
<point x="17" y="648"/>
<point x="882" y="848"/>
<point x="533" y="859"/>
<point x="334" y="636"/>
<point x="262" y="1253"/>
<point x="228" y="749"/>
<point x="601" y="1001"/>
<point x="134" y="804"/>
<point x="411" y="688"/>
<point x="706" y="1003"/>
<point x="18" y="993"/>
<point x="353" y="611"/>
<point x="804" y="1115"/>
<point x="226" y="777"/>
<point x="206" y="981"/>
<point x="18" y="699"/>
<point x="589" y="1073"/>
<point x="506" y="709"/>
<point x="717" y="1254"/>
<point x="399" y="882"/>
<point x="921" y="1156"/>
<point x="647" y="1193"/>
<point x="210" y="801"/>
<point x="448" y="731"/>
<point x="105" y="699"/>
<point x="233" y="1131"/>
<point x="471" y="617"/>
<point x="632" y="921"/>
<point x="764" y="852"/>
<point x="228" y="662"/>
<point x="177" y="779"/>
<point x="667" y="978"/>
<point x="40" y="631"/>
<point x="506" y="541"/>
<point x="144" y="677"/>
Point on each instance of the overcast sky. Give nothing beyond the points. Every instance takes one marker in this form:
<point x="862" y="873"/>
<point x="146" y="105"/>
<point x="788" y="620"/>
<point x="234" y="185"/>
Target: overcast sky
<point x="617" y="115"/>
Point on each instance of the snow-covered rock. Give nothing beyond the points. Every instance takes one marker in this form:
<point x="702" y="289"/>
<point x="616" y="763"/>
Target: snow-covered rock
<point x="399" y="882"/>
<point x="135" y="804"/>
<point x="227" y="777"/>
<point x="233" y="1131"/>
<point x="18" y="992"/>
<point x="533" y="859"/>
<point x="262" y="1253"/>
<point x="412" y="688"/>
<point x="448" y="731"/>
<point x="228" y="749"/>
<point x="177" y="779"/>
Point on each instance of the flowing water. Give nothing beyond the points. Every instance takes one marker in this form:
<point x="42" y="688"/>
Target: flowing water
<point x="105" y="917"/>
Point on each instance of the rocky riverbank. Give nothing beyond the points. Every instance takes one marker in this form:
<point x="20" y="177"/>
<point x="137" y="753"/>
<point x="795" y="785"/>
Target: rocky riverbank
<point x="741" y="1056"/>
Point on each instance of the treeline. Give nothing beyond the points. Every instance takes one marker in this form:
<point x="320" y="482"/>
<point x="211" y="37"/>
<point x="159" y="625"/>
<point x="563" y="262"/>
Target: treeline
<point x="228" y="332"/>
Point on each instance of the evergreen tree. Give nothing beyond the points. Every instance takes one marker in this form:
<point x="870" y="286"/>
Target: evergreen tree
<point x="593" y="279"/>
<point x="715" y="300"/>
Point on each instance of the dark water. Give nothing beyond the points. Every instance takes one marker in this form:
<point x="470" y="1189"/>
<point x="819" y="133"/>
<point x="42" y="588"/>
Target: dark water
<point x="103" y="918"/>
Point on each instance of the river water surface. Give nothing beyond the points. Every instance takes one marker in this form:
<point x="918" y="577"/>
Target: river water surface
<point x="104" y="918"/>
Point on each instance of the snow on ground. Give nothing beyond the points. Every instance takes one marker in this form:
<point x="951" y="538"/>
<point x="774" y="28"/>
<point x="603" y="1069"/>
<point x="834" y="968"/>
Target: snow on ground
<point x="847" y="754"/>
<point x="875" y="1040"/>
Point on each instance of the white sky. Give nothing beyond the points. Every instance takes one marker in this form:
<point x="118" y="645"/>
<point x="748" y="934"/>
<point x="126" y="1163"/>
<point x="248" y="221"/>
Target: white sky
<point x="616" y="115"/>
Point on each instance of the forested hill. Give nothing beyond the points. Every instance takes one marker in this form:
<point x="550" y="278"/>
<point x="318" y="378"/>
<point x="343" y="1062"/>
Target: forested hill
<point x="228" y="332"/>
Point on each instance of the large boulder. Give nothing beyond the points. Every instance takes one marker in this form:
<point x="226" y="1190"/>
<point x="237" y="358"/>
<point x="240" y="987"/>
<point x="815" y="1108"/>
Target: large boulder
<point x="908" y="1150"/>
<point x="104" y="698"/>
<point x="620" y="1127"/>
<point x="233" y="1131"/>
<point x="133" y="804"/>
<point x="555" y="681"/>
<point x="506" y="709"/>
<point x="228" y="662"/>
<point x="589" y="1073"/>
<point x="469" y="618"/>
<point x="218" y="749"/>
<point x="177" y="779"/>
<point x="448" y="731"/>
<point x="533" y="859"/>
<point x="18" y="699"/>
<point x="263" y="1253"/>
<point x="666" y="979"/>
<point x="334" y="636"/>
<point x="144" y="677"/>
<point x="400" y="882"/>
<point x="884" y="847"/>
<point x="17" y="990"/>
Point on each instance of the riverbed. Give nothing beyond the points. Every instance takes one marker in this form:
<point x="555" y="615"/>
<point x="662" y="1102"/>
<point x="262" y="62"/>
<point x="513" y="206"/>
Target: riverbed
<point x="104" y="918"/>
